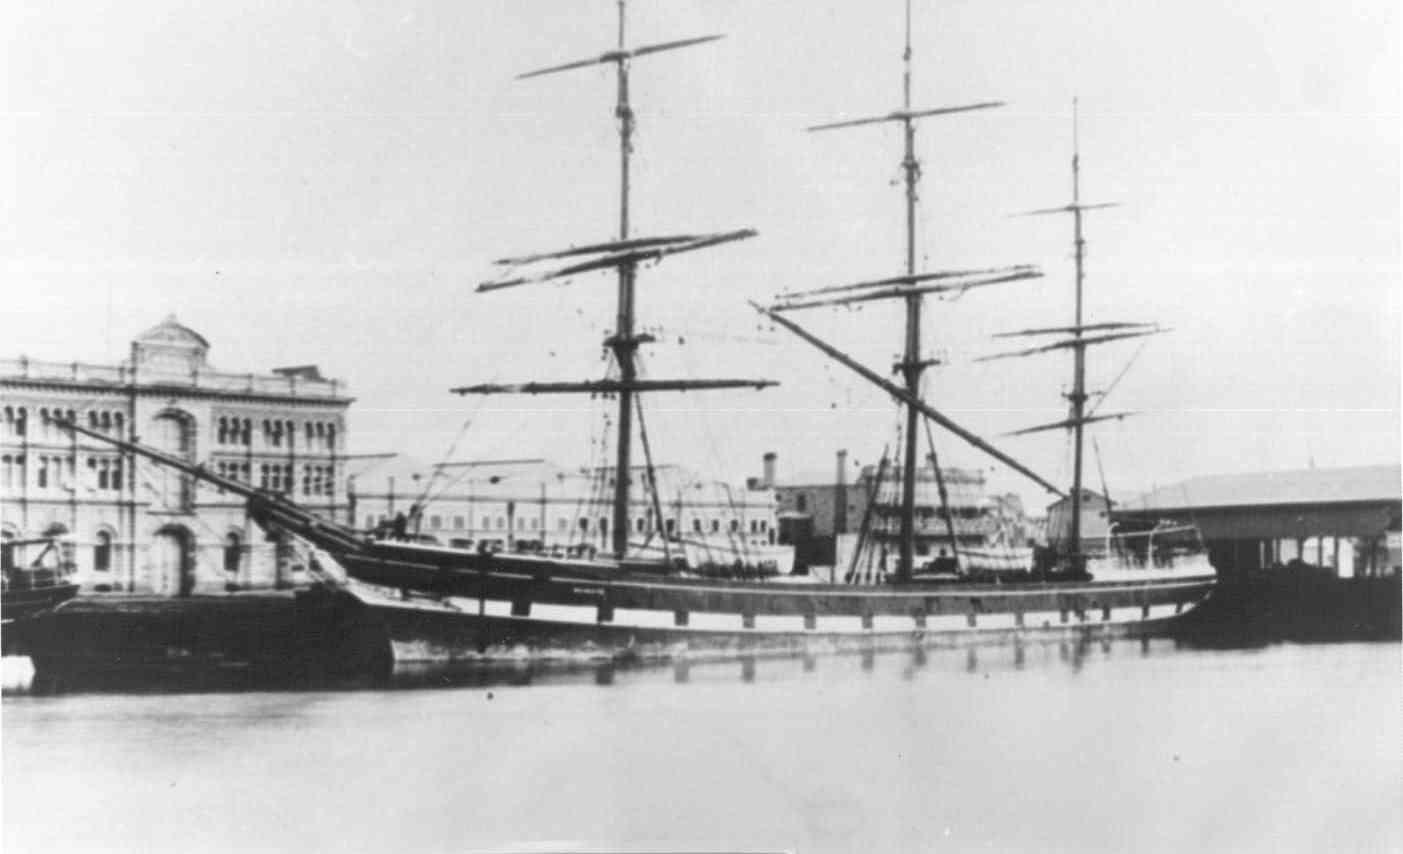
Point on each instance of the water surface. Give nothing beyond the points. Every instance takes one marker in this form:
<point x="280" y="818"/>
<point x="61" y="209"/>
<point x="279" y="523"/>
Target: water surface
<point x="1117" y="747"/>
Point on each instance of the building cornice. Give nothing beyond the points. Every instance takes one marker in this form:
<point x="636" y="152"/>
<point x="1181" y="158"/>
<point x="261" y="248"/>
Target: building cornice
<point x="172" y="390"/>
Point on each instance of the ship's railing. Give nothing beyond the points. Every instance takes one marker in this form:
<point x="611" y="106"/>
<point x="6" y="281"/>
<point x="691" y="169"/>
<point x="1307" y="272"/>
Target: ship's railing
<point x="292" y="385"/>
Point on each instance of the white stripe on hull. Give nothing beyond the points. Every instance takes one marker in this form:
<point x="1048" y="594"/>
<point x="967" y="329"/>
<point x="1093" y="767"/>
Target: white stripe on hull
<point x="703" y="623"/>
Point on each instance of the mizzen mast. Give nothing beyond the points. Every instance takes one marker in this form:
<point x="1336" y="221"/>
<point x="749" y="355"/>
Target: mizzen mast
<point x="1078" y="417"/>
<point x="624" y="255"/>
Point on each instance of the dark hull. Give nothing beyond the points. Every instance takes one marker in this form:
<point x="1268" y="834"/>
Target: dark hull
<point x="443" y="605"/>
<point x="20" y="604"/>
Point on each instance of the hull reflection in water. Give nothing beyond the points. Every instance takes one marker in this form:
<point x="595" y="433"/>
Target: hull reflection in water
<point x="1066" y="654"/>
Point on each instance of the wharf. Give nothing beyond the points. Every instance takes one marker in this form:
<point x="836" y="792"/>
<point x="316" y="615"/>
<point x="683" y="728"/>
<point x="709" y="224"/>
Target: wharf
<point x="1297" y="605"/>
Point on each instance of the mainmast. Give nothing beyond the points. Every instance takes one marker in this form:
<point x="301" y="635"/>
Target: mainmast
<point x="623" y="342"/>
<point x="625" y="255"/>
<point x="912" y="365"/>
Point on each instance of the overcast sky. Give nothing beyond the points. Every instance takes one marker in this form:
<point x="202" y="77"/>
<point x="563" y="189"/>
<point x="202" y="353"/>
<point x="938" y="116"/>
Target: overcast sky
<point x="327" y="182"/>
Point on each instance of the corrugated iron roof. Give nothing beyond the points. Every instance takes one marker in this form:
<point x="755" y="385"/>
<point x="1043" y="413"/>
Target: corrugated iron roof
<point x="1303" y="486"/>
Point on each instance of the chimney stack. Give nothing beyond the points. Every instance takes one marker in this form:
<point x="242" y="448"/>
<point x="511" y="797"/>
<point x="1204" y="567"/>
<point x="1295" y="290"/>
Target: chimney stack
<point x="768" y="479"/>
<point x="840" y="495"/>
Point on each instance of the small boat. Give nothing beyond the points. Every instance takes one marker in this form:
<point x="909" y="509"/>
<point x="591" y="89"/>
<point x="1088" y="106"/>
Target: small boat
<point x="44" y="584"/>
<point x="436" y="602"/>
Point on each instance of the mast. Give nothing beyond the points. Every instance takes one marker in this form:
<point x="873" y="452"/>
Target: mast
<point x="1078" y="341"/>
<point x="623" y="255"/>
<point x="623" y="342"/>
<point x="911" y="366"/>
<point x="1078" y="395"/>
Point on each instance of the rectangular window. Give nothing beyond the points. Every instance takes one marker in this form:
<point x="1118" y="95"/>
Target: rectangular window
<point x="458" y="523"/>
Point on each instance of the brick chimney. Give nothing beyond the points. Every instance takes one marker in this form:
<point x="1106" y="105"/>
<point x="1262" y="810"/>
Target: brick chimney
<point x="840" y="495"/>
<point x="768" y="478"/>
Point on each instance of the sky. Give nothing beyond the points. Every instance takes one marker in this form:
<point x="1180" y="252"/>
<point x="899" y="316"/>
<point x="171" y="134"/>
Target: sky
<point x="326" y="183"/>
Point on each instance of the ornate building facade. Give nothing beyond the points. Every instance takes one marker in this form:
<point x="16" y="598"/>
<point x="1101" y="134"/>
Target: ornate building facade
<point x="132" y="526"/>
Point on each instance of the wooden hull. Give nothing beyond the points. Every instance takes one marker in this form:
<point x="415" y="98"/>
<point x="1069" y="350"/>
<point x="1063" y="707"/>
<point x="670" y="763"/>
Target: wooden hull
<point x="439" y="606"/>
<point x="20" y="604"/>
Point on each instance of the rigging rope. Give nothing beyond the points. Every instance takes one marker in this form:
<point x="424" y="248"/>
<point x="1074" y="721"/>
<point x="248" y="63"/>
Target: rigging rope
<point x="1112" y="387"/>
<point x="944" y="498"/>
<point x="652" y="483"/>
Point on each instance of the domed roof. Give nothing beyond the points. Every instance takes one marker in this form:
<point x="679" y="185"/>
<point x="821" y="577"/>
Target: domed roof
<point x="171" y="332"/>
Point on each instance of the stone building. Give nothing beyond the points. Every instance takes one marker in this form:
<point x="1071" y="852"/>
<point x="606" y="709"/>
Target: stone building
<point x="132" y="526"/>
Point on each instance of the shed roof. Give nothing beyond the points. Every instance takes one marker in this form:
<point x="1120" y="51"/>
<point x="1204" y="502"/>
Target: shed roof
<point x="1303" y="486"/>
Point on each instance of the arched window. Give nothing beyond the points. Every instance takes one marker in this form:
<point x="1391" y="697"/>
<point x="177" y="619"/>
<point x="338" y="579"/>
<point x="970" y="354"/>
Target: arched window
<point x="102" y="552"/>
<point x="696" y="526"/>
<point x="233" y="552"/>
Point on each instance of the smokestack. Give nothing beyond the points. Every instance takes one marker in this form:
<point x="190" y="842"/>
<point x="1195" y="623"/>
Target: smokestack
<point x="768" y="478"/>
<point x="840" y="495"/>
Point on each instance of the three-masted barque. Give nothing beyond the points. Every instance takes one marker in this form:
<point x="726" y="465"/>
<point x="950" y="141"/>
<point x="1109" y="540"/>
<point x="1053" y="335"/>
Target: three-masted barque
<point x="444" y="602"/>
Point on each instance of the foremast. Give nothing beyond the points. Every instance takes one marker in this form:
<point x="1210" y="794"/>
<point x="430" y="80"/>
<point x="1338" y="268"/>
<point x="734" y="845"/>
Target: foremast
<point x="625" y="256"/>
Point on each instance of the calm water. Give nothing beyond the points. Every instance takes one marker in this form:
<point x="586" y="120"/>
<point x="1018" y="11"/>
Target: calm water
<point x="1123" y="747"/>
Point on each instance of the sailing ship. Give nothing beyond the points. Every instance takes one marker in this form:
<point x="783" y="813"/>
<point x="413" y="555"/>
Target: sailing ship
<point x="436" y="603"/>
